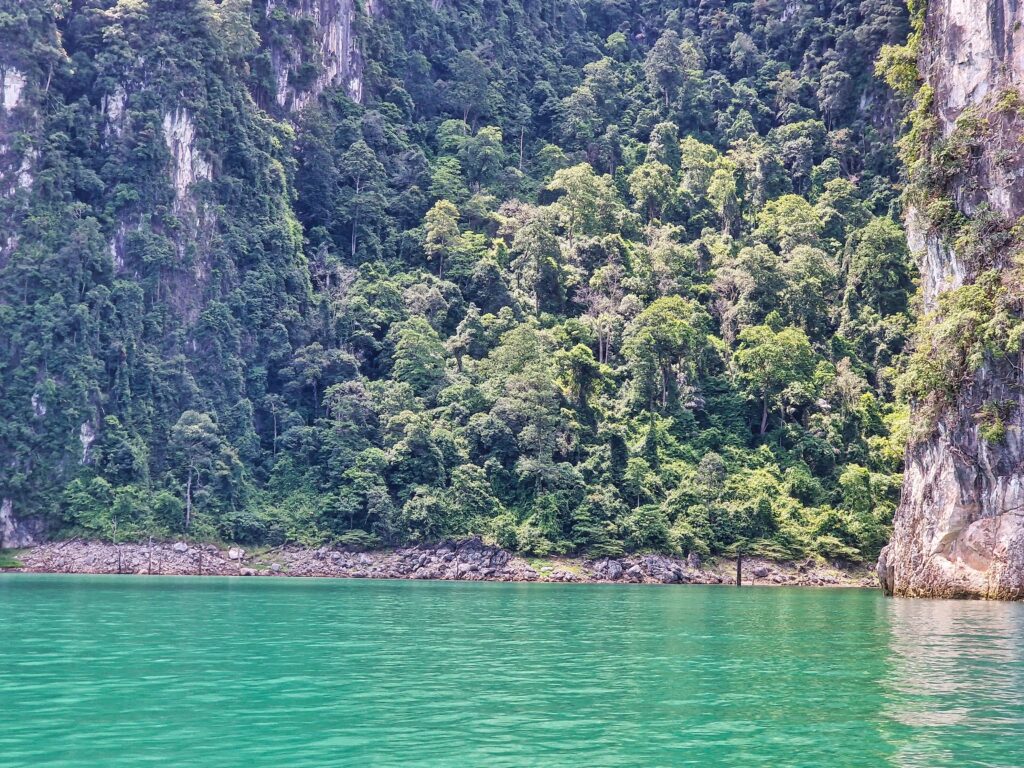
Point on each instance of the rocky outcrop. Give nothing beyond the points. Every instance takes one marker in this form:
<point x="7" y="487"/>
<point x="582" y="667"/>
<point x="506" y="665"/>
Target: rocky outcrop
<point x="17" y="156"/>
<point x="188" y="166"/>
<point x="959" y="529"/>
<point x="18" y="532"/>
<point x="454" y="560"/>
<point x="321" y="52"/>
<point x="12" y="83"/>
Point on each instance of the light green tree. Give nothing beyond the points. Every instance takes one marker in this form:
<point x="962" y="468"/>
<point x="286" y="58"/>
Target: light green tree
<point x="767" y="363"/>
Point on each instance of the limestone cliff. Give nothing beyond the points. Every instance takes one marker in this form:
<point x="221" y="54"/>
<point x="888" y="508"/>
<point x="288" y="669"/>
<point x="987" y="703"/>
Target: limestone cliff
<point x="959" y="530"/>
<point x="16" y="155"/>
<point x="313" y="47"/>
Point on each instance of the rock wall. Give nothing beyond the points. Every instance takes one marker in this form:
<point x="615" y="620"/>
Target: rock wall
<point x="327" y="27"/>
<point x="959" y="530"/>
<point x="16" y="156"/>
<point x="15" y="532"/>
<point x="188" y="165"/>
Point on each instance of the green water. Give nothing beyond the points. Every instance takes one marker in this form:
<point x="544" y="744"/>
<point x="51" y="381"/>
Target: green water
<point x="125" y="671"/>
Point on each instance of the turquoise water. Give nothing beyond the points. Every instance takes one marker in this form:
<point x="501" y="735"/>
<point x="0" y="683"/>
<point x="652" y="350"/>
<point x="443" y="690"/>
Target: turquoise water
<point x="135" y="671"/>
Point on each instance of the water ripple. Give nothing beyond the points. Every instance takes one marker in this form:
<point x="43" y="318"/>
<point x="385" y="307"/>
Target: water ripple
<point x="124" y="671"/>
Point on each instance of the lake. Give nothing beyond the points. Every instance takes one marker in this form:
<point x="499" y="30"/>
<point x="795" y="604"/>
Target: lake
<point x="135" y="671"/>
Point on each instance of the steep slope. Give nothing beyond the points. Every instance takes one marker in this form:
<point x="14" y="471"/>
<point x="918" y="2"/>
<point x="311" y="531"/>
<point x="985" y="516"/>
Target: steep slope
<point x="589" y="277"/>
<point x="959" y="530"/>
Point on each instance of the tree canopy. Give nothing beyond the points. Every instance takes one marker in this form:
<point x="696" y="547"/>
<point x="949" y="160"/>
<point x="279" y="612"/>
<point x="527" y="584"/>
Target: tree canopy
<point x="577" y="277"/>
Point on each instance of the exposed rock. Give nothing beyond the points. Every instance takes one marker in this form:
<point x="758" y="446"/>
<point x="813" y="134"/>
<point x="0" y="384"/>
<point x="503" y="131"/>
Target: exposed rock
<point x="86" y="436"/>
<point x="340" y="60"/>
<point x="18" y="532"/>
<point x="477" y="561"/>
<point x="12" y="82"/>
<point x="187" y="163"/>
<point x="959" y="529"/>
<point x="18" y="153"/>
<point x="761" y="571"/>
<point x="112" y="105"/>
<point x="608" y="569"/>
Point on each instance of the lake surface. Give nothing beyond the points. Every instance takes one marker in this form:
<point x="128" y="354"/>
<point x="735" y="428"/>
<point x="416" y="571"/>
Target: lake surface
<point x="135" y="671"/>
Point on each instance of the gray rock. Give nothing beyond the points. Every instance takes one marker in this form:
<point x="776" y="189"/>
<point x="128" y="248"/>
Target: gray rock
<point x="17" y="531"/>
<point x="180" y="547"/>
<point x="693" y="561"/>
<point x="613" y="570"/>
<point x="761" y="572"/>
<point x="670" y="576"/>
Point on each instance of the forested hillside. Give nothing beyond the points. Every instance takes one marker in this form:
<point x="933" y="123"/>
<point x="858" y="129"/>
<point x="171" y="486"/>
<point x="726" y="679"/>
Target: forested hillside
<point x="581" y="277"/>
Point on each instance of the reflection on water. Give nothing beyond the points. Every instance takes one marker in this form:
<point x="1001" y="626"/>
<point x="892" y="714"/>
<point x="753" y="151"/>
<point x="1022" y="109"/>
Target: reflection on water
<point x="123" y="672"/>
<point x="956" y="683"/>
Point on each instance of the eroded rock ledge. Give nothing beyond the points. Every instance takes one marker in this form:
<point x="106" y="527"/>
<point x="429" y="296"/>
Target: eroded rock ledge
<point x="465" y="560"/>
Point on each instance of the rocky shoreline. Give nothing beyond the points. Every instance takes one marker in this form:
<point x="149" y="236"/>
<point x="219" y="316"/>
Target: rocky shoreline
<point x="465" y="560"/>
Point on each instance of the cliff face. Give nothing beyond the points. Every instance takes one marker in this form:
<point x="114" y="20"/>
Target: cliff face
<point x="959" y="530"/>
<point x="16" y="116"/>
<point x="321" y="51"/>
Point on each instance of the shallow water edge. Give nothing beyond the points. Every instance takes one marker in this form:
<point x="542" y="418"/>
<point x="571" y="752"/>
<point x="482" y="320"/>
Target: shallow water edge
<point x="453" y="560"/>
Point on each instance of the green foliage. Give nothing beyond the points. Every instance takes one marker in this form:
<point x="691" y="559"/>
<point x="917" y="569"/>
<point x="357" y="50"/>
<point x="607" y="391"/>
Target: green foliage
<point x="9" y="559"/>
<point x="972" y="323"/>
<point x="992" y="420"/>
<point x="589" y="279"/>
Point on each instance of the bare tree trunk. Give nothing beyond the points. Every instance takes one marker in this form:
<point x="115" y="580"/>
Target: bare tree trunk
<point x="188" y="500"/>
<point x="764" y="414"/>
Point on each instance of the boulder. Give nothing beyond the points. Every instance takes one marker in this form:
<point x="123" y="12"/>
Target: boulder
<point x="671" y="576"/>
<point x="761" y="571"/>
<point x="236" y="553"/>
<point x="611" y="569"/>
<point x="180" y="547"/>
